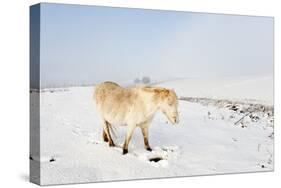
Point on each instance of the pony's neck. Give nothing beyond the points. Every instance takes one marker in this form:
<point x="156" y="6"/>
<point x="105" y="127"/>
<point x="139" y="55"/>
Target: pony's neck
<point x="152" y="104"/>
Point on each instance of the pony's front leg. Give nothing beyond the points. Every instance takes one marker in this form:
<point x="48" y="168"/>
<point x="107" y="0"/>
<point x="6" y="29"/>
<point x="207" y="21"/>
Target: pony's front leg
<point x="129" y="134"/>
<point x="144" y="130"/>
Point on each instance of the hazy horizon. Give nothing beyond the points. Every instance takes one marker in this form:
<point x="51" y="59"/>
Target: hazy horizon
<point x="90" y="44"/>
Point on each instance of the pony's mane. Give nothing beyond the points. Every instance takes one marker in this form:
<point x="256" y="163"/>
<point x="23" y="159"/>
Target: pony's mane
<point x="159" y="92"/>
<point x="153" y="89"/>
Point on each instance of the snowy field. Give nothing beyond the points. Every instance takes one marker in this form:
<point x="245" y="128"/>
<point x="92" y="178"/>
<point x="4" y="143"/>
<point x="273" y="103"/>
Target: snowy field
<point x="225" y="126"/>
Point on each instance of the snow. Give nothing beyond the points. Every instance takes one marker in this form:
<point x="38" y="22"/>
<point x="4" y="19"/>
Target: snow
<point x="206" y="141"/>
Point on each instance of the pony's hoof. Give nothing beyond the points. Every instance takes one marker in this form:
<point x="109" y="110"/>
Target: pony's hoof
<point x="111" y="144"/>
<point x="125" y="151"/>
<point x="149" y="149"/>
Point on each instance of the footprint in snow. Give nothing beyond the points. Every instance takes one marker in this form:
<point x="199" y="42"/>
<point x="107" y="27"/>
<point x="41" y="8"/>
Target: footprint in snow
<point x="158" y="157"/>
<point x="77" y="131"/>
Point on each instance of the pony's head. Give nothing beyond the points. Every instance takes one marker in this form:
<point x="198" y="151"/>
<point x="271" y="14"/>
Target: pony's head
<point x="168" y="104"/>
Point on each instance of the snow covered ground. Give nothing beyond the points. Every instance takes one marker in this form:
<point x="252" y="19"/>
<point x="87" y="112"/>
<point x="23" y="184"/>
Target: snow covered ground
<point x="209" y="139"/>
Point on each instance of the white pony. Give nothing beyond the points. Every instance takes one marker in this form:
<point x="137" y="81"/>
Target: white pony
<point x="133" y="107"/>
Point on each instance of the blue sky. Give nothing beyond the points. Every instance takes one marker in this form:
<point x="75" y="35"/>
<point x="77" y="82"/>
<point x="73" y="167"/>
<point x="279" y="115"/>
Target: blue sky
<point x="90" y="44"/>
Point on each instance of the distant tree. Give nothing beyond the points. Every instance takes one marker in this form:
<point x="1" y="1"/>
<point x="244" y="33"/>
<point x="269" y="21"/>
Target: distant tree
<point x="146" y="80"/>
<point x="137" y="81"/>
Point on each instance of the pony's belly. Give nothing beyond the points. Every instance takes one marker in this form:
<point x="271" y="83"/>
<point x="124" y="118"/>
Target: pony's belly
<point x="115" y="121"/>
<point x="120" y="117"/>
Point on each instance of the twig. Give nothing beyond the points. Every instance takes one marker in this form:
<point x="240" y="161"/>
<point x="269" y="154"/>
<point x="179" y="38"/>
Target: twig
<point x="242" y="118"/>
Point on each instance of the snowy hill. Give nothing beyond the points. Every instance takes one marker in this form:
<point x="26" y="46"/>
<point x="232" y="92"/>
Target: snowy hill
<point x="253" y="89"/>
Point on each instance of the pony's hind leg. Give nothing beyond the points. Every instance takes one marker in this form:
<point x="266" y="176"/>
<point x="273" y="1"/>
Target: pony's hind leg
<point x="106" y="134"/>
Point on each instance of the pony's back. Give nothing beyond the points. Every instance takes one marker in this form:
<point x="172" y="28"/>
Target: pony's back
<point x="115" y="103"/>
<point x="102" y="89"/>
